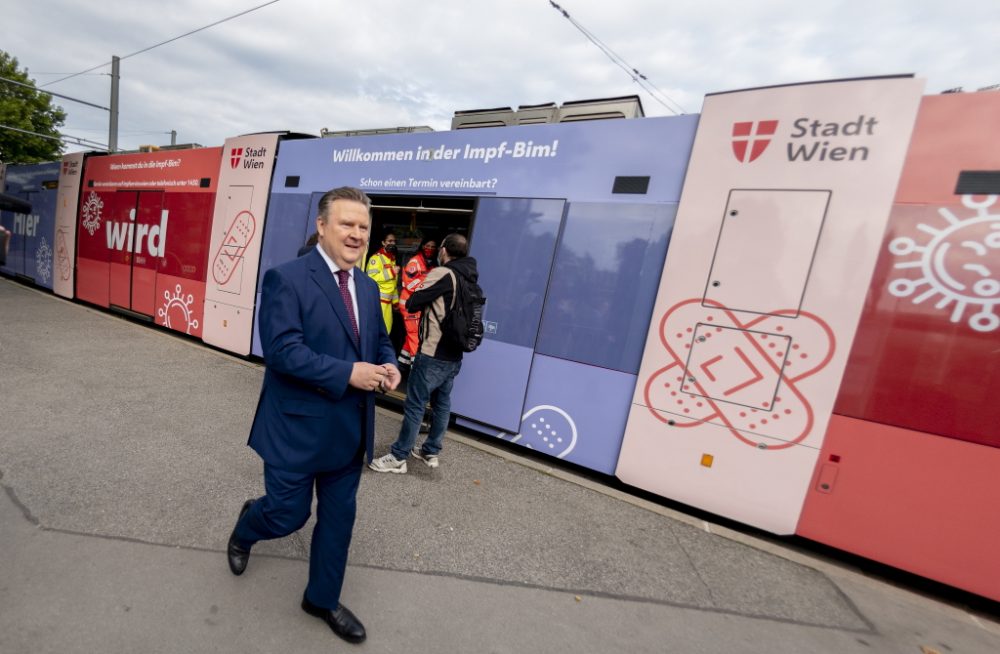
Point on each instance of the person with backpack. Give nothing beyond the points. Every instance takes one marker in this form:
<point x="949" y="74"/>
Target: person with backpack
<point x="451" y="324"/>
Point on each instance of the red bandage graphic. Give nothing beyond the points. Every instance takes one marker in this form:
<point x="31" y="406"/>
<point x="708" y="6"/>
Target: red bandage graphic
<point x="742" y="375"/>
<point x="62" y="255"/>
<point x="234" y="244"/>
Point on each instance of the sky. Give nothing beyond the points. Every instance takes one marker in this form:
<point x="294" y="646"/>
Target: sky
<point x="304" y="65"/>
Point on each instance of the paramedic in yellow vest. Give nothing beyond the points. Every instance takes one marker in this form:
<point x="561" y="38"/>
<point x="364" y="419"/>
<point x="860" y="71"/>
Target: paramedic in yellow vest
<point x="413" y="276"/>
<point x="383" y="269"/>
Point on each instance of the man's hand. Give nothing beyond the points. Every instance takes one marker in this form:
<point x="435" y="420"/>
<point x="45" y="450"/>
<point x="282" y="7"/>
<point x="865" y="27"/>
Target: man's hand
<point x="392" y="377"/>
<point x="368" y="376"/>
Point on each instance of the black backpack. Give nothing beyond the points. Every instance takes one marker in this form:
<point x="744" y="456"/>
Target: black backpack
<point x="463" y="324"/>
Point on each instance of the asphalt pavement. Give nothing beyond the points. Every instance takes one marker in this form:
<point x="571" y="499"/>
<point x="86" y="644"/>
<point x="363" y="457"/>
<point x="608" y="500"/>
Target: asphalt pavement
<point x="123" y="463"/>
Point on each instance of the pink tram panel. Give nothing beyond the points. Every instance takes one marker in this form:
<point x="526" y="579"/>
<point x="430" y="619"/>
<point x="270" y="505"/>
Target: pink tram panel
<point x="67" y="203"/>
<point x="907" y="472"/>
<point x="143" y="234"/>
<point x="235" y="240"/>
<point x="785" y="201"/>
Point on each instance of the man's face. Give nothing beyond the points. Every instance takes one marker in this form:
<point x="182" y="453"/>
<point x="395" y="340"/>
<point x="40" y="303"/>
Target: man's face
<point x="344" y="233"/>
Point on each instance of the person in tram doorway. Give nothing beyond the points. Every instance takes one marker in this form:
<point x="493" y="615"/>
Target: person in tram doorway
<point x="414" y="275"/>
<point x="326" y="351"/>
<point x="438" y="360"/>
<point x="383" y="269"/>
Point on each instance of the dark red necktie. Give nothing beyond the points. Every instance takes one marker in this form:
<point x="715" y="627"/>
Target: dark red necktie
<point x="343" y="278"/>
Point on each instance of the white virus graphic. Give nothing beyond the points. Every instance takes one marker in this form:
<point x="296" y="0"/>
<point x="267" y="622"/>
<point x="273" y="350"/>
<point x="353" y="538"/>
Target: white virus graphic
<point x="92" y="213"/>
<point x="550" y="430"/>
<point x="43" y="260"/>
<point x="182" y="305"/>
<point x="961" y="262"/>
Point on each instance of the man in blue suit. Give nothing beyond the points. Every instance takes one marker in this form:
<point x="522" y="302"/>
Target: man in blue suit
<point x="326" y="351"/>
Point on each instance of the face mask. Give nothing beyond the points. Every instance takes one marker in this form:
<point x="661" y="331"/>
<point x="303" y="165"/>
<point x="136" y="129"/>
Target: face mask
<point x="429" y="253"/>
<point x="391" y="249"/>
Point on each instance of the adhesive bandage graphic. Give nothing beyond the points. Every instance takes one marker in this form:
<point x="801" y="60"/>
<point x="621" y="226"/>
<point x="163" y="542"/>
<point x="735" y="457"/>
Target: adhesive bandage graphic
<point x="742" y="375"/>
<point x="62" y="255"/>
<point x="238" y="236"/>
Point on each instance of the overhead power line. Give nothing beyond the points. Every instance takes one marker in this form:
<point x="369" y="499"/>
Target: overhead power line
<point x="35" y="72"/>
<point x="137" y="52"/>
<point x="630" y="70"/>
<point x="65" y="97"/>
<point x="62" y="137"/>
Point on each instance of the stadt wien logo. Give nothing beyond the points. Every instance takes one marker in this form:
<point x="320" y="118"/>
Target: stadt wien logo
<point x="234" y="157"/>
<point x="751" y="138"/>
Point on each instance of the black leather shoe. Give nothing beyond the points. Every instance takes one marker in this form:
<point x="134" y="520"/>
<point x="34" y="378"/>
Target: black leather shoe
<point x="344" y="623"/>
<point x="235" y="554"/>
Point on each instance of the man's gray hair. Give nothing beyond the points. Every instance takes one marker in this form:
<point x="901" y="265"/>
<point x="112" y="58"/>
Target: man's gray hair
<point x="342" y="193"/>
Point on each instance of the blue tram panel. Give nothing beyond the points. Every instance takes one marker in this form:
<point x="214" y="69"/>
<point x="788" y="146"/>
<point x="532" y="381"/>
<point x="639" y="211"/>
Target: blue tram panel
<point x="32" y="244"/>
<point x="569" y="223"/>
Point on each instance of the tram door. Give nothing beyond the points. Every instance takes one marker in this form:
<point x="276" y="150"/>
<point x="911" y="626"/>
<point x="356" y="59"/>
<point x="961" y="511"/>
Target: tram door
<point x="513" y="241"/>
<point x="135" y="239"/>
<point x="21" y="228"/>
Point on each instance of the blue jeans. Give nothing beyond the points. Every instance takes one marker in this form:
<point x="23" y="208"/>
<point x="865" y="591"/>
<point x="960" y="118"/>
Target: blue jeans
<point x="430" y="379"/>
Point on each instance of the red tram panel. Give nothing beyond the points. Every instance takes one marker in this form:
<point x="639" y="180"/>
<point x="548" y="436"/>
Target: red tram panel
<point x="906" y="475"/>
<point x="144" y="225"/>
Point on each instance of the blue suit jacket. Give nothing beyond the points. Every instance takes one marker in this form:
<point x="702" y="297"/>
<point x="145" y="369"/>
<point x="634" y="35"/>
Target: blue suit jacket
<point x="308" y="419"/>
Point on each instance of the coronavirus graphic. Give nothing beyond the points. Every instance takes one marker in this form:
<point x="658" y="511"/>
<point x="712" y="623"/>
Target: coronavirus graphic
<point x="960" y="262"/>
<point x="92" y="213"/>
<point x="548" y="429"/>
<point x="177" y="308"/>
<point x="545" y="428"/>
<point x="43" y="260"/>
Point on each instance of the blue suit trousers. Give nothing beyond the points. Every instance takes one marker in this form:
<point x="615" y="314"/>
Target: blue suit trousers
<point x="287" y="505"/>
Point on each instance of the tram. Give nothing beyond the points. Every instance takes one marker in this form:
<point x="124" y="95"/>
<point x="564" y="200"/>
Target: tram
<point x="782" y="310"/>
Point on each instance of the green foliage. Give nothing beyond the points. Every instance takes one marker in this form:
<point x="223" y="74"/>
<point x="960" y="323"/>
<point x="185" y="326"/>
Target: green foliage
<point x="29" y="110"/>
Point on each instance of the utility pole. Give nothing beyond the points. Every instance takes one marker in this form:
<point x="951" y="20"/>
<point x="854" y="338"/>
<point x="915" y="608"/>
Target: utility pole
<point x="113" y="120"/>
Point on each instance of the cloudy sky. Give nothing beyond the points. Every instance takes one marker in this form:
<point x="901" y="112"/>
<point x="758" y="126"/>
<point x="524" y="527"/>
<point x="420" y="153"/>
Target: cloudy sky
<point x="304" y="65"/>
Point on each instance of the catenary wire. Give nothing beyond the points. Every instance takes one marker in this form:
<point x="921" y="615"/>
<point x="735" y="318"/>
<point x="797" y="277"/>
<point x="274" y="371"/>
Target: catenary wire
<point x="137" y="52"/>
<point x="617" y="59"/>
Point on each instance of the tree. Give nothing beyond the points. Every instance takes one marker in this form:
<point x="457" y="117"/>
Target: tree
<point x="30" y="110"/>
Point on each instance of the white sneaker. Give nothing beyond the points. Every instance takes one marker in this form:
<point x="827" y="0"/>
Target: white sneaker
<point x="388" y="463"/>
<point x="430" y="459"/>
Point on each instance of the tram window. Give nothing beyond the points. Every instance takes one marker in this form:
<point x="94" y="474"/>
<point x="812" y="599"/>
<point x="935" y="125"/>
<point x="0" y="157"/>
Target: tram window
<point x="513" y="243"/>
<point x="604" y="280"/>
